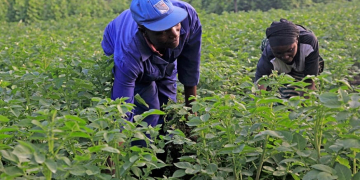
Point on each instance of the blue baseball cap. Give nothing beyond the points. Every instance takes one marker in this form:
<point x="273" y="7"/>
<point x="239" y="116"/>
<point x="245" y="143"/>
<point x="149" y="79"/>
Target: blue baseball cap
<point x="157" y="15"/>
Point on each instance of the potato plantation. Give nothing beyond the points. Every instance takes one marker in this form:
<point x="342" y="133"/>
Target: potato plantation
<point x="58" y="122"/>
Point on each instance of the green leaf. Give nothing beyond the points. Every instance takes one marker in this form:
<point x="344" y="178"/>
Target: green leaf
<point x="13" y="171"/>
<point x="299" y="169"/>
<point x="179" y="173"/>
<point x="152" y="112"/>
<point x="238" y="149"/>
<point x="342" y="172"/>
<point x="10" y="129"/>
<point x="149" y="157"/>
<point x="300" y="140"/>
<point x="342" y="116"/>
<point x="344" y="96"/>
<point x="295" y="176"/>
<point x="349" y="143"/>
<point x="37" y="123"/>
<point x="294" y="101"/>
<point x="135" y="149"/>
<point x="356" y="176"/>
<point x="139" y="135"/>
<point x="65" y="159"/>
<point x="92" y="170"/>
<point x="279" y="173"/>
<point x="108" y="137"/>
<point x="289" y="160"/>
<point x="183" y="165"/>
<point x="226" y="150"/>
<point x="137" y="171"/>
<point x="311" y="175"/>
<point x="4" y="119"/>
<point x="330" y="100"/>
<point x="39" y="157"/>
<point x="270" y="100"/>
<point x="27" y="145"/>
<point x="354" y="103"/>
<point x="191" y="171"/>
<point x="287" y="135"/>
<point x="79" y="134"/>
<point x="324" y="168"/>
<point x="268" y="168"/>
<point x="343" y="161"/>
<point x="9" y="156"/>
<point x="75" y="118"/>
<point x="140" y="100"/>
<point x="304" y="153"/>
<point x="96" y="148"/>
<point x="194" y="122"/>
<point x="4" y="147"/>
<point x="82" y="157"/>
<point x="270" y="133"/>
<point x="22" y="152"/>
<point x="51" y="165"/>
<point x="134" y="158"/>
<point x="15" y="112"/>
<point x="205" y="117"/>
<point x="110" y="149"/>
<point x="336" y="147"/>
<point x="77" y="170"/>
<point x="4" y="136"/>
<point x="211" y="168"/>
<point x="325" y="176"/>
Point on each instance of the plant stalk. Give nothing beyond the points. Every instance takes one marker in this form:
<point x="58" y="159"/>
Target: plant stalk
<point x="262" y="158"/>
<point x="354" y="163"/>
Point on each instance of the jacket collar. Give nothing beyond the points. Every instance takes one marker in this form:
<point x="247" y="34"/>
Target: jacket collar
<point x="143" y="47"/>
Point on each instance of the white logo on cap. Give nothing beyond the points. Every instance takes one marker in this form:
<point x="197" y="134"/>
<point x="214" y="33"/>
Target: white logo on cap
<point x="161" y="7"/>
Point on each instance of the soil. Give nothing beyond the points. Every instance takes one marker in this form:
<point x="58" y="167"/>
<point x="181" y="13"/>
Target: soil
<point x="356" y="77"/>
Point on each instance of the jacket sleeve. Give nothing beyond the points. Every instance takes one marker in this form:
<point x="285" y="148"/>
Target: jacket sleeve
<point x="189" y="59"/>
<point x="109" y="38"/>
<point x="312" y="60"/>
<point x="264" y="66"/>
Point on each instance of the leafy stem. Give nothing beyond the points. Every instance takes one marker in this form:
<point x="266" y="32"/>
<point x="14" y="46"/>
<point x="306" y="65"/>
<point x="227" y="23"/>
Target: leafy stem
<point x="259" y="168"/>
<point x="318" y="133"/>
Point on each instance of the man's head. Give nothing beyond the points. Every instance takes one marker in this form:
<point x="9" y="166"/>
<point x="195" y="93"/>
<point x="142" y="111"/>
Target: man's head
<point x="169" y="38"/>
<point x="157" y="15"/>
<point x="283" y="38"/>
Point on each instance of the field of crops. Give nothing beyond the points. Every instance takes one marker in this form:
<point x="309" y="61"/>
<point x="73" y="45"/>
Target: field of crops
<point x="57" y="121"/>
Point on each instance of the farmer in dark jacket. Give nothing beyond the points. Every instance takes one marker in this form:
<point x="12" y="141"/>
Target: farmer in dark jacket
<point x="291" y="49"/>
<point x="152" y="43"/>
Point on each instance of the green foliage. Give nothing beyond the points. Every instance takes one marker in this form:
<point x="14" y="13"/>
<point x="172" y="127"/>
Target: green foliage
<point x="218" y="7"/>
<point x="3" y="10"/>
<point x="34" y="10"/>
<point x="57" y="122"/>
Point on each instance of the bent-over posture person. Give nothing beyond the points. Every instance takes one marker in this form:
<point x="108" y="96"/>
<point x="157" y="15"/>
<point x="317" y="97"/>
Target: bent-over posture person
<point x="154" y="43"/>
<point x="291" y="49"/>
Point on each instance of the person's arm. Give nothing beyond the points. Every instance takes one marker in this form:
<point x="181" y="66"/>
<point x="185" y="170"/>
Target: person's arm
<point x="125" y="75"/>
<point x="189" y="60"/>
<point x="109" y="37"/>
<point x="312" y="60"/>
<point x="189" y="91"/>
<point x="264" y="66"/>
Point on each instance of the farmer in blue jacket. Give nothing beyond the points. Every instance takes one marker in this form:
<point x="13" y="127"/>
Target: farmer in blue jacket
<point x="152" y="43"/>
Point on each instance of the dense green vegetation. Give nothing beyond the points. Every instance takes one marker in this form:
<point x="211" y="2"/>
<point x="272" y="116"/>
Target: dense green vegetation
<point x="58" y="122"/>
<point x="35" y="10"/>
<point x="218" y="7"/>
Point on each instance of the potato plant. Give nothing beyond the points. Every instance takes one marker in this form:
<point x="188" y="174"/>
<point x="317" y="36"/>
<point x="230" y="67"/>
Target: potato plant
<point x="57" y="121"/>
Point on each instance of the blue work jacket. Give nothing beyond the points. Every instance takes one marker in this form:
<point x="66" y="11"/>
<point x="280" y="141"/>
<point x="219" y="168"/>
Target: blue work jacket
<point x="137" y="67"/>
